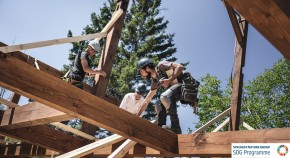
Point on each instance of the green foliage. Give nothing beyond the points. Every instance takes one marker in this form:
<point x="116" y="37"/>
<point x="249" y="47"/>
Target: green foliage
<point x="143" y="35"/>
<point x="266" y="101"/>
<point x="213" y="100"/>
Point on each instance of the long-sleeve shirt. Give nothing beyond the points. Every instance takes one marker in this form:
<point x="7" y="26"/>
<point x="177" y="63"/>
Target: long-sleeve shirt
<point x="130" y="104"/>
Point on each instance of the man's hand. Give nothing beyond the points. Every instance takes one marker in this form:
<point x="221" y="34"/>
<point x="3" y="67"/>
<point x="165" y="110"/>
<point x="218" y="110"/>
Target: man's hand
<point x="165" y="82"/>
<point x="103" y="73"/>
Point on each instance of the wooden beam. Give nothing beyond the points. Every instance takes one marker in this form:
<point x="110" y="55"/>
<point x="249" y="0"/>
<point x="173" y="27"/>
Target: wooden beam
<point x="74" y="131"/>
<point x="85" y="150"/>
<point x="8" y="103"/>
<point x="46" y="137"/>
<point x="108" y="55"/>
<point x="36" y="113"/>
<point x="31" y="114"/>
<point x="114" y="29"/>
<point x="270" y="17"/>
<point x="30" y="60"/>
<point x="219" y="143"/>
<point x="123" y="149"/>
<point x="8" y="49"/>
<point x="247" y="126"/>
<point x="15" y="98"/>
<point x="211" y="122"/>
<point x="53" y="92"/>
<point x="236" y="100"/>
<point x="235" y="22"/>
<point x="226" y="121"/>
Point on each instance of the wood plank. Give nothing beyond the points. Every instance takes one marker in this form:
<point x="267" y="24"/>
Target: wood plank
<point x="247" y="126"/>
<point x="211" y="122"/>
<point x="74" y="131"/>
<point x="235" y="23"/>
<point x="219" y="143"/>
<point x="36" y="113"/>
<point x="15" y="98"/>
<point x="85" y="150"/>
<point x="30" y="60"/>
<point x="32" y="114"/>
<point x="62" y="96"/>
<point x="236" y="100"/>
<point x="270" y="18"/>
<point x="226" y="121"/>
<point x="123" y="149"/>
<point x="108" y="55"/>
<point x="8" y="49"/>
<point x="114" y="25"/>
<point x="8" y="103"/>
<point x="46" y="137"/>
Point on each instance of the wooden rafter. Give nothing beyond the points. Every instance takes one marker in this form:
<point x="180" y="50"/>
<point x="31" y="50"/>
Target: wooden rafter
<point x="211" y="122"/>
<point x="85" y="150"/>
<point x="8" y="49"/>
<point x="62" y="96"/>
<point x="226" y="121"/>
<point x="270" y="17"/>
<point x="236" y="100"/>
<point x="46" y="137"/>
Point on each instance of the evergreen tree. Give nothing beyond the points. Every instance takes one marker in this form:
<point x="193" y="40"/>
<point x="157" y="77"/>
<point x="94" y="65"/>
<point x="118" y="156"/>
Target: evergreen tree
<point x="143" y="35"/>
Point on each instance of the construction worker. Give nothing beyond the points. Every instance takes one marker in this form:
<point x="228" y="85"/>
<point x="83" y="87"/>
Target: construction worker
<point x="178" y="84"/>
<point x="81" y="65"/>
<point x="132" y="101"/>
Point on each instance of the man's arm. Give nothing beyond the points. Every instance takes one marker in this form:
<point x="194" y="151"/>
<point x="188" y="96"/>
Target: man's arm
<point x="86" y="68"/>
<point x="146" y="101"/>
<point x="124" y="102"/>
<point x="177" y="70"/>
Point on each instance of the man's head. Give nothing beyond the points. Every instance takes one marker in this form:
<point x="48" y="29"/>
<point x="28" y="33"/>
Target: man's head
<point x="145" y="67"/>
<point x="140" y="90"/>
<point x="94" y="47"/>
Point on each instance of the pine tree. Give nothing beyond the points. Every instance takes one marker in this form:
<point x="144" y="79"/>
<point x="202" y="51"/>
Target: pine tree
<point x="143" y="35"/>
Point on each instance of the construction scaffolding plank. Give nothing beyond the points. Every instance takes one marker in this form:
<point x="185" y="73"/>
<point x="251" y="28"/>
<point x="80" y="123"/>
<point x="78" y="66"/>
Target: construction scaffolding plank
<point x="271" y="18"/>
<point x="67" y="98"/>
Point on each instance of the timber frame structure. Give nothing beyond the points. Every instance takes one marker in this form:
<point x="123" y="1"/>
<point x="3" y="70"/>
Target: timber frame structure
<point x="56" y="100"/>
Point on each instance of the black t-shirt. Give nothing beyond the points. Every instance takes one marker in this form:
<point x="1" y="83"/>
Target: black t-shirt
<point x="77" y="71"/>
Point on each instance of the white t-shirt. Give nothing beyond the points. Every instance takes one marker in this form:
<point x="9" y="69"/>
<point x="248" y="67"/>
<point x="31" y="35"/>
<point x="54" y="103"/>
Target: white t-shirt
<point x="130" y="104"/>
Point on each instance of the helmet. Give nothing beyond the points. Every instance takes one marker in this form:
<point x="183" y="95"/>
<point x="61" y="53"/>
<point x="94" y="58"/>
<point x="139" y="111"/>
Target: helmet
<point x="141" y="88"/>
<point x="144" y="62"/>
<point x="95" y="45"/>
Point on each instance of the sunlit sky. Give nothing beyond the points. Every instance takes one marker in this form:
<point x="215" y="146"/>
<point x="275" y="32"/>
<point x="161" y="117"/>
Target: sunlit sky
<point x="203" y="35"/>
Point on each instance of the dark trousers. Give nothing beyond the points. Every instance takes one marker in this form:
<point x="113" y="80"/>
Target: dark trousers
<point x="171" y="96"/>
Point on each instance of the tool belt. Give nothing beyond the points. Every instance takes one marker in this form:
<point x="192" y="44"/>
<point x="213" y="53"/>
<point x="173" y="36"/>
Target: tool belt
<point x="189" y="89"/>
<point x="76" y="83"/>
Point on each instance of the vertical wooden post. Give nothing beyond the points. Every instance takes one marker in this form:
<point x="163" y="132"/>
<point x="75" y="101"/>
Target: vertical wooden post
<point x="15" y="98"/>
<point x="107" y="58"/>
<point x="236" y="101"/>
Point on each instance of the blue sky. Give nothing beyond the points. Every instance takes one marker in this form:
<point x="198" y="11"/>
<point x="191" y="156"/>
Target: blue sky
<point x="203" y="35"/>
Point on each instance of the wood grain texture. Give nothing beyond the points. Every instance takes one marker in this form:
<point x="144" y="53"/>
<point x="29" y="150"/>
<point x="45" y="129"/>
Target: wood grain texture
<point x="53" y="92"/>
<point x="270" y="18"/>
